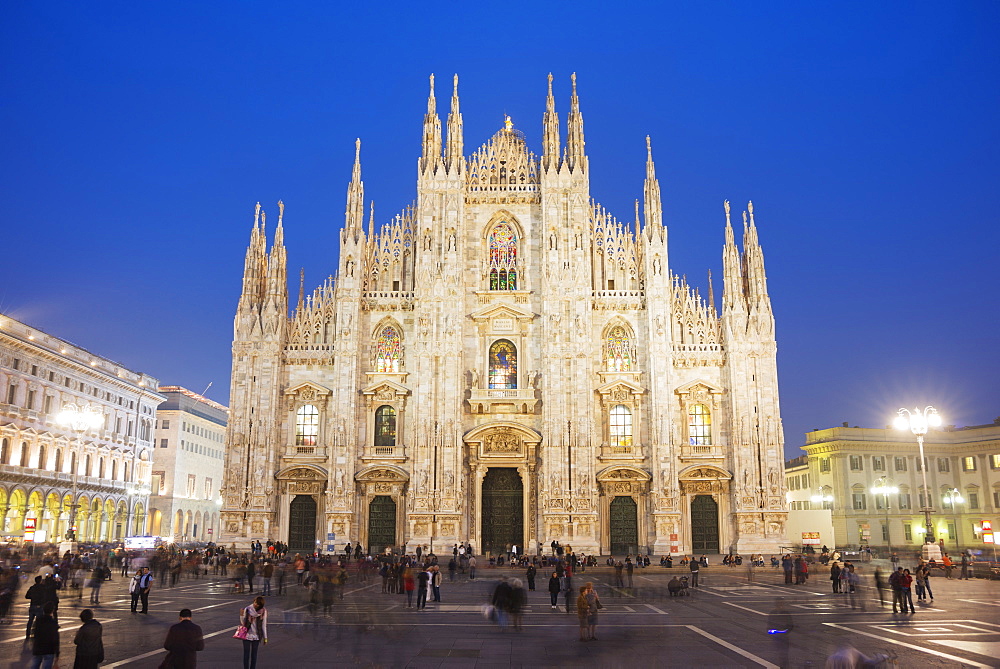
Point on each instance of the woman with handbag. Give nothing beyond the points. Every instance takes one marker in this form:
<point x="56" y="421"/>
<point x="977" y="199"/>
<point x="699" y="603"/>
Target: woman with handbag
<point x="593" y="603"/>
<point x="253" y="631"/>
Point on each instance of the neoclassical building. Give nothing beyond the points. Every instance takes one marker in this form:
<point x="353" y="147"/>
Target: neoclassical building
<point x="505" y="362"/>
<point x="53" y="476"/>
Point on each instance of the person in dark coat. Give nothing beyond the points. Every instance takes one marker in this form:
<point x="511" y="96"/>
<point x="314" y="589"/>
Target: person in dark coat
<point x="184" y="640"/>
<point x="89" y="642"/>
<point x="46" y="646"/>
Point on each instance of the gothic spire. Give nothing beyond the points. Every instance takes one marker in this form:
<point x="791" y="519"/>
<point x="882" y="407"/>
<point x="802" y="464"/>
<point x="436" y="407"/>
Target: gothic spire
<point x="277" y="282"/>
<point x="550" y="132"/>
<point x="753" y="259"/>
<point x="255" y="263"/>
<point x="711" y="293"/>
<point x="732" y="275"/>
<point x="651" y="189"/>
<point x="354" y="215"/>
<point x="575" y="155"/>
<point x="302" y="288"/>
<point x="454" y="151"/>
<point x="431" y="153"/>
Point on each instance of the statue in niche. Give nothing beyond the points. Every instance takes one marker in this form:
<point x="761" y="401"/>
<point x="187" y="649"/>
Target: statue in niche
<point x="340" y="479"/>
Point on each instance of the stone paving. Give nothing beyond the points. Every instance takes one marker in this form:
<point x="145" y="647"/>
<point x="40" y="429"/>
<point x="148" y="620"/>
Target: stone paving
<point x="723" y="624"/>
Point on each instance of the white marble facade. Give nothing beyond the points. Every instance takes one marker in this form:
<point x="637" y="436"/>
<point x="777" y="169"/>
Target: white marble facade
<point x="633" y="398"/>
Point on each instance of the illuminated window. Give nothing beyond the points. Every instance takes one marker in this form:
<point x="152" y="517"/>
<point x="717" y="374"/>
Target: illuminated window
<point x="878" y="463"/>
<point x="900" y="464"/>
<point x="969" y="463"/>
<point x="385" y="426"/>
<point x="503" y="257"/>
<point x="503" y="365"/>
<point x="619" y="351"/>
<point x="995" y="461"/>
<point x="699" y="425"/>
<point x="388" y="351"/>
<point x="621" y="426"/>
<point x="306" y="425"/>
<point x="857" y="463"/>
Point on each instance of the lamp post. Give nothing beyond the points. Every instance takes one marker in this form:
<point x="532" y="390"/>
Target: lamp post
<point x="80" y="419"/>
<point x="918" y="422"/>
<point x="883" y="488"/>
<point x="954" y="497"/>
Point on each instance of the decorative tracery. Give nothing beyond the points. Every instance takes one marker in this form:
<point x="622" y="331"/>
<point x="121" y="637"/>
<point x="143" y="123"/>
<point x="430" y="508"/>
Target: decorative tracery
<point x="503" y="365"/>
<point x="388" y="350"/>
<point x="503" y="257"/>
<point x="619" y="350"/>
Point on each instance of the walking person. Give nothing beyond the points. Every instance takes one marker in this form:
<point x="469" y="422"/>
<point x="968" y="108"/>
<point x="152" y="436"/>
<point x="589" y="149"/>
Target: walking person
<point x="906" y="596"/>
<point x="897" y="593"/>
<point x="779" y="628"/>
<point x="835" y="577"/>
<point x="139" y="589"/>
<point x="184" y="640"/>
<point x="964" y="576"/>
<point x="582" y="612"/>
<point x="96" y="581"/>
<point x="36" y="595"/>
<point x="409" y="584"/>
<point x="45" y="649"/>
<point x="786" y="566"/>
<point x="927" y="581"/>
<point x="254" y="618"/>
<point x="436" y="582"/>
<point x="880" y="586"/>
<point x="89" y="642"/>
<point x="554" y="590"/>
<point x="251" y="573"/>
<point x="593" y="604"/>
<point x="268" y="573"/>
<point x="423" y="580"/>
<point x="530" y="575"/>
<point x="694" y="567"/>
<point x="472" y="567"/>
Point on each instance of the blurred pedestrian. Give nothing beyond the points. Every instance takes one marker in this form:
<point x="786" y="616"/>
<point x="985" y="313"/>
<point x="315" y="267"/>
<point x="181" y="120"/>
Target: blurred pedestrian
<point x="779" y="628"/>
<point x="89" y="642"/>
<point x="45" y="649"/>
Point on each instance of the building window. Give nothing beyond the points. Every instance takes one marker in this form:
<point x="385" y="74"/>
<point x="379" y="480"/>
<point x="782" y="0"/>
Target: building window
<point x="503" y="365"/>
<point x="24" y="454"/>
<point x="11" y="393"/>
<point x="857" y="463"/>
<point x="619" y="351"/>
<point x="385" y="426"/>
<point x="164" y="443"/>
<point x="907" y="532"/>
<point x="155" y="481"/>
<point x="114" y="470"/>
<point x="30" y="402"/>
<point x="879" y="502"/>
<point x="208" y="488"/>
<point x="47" y="404"/>
<point x="824" y="464"/>
<point x="87" y="468"/>
<point x="503" y="257"/>
<point x="973" y="500"/>
<point x="306" y="425"/>
<point x="699" y="425"/>
<point x="192" y="485"/>
<point x="41" y="457"/>
<point x="859" y="501"/>
<point x="59" y="460"/>
<point x="904" y="500"/>
<point x="944" y="465"/>
<point x="388" y="351"/>
<point x="995" y="461"/>
<point x="900" y="464"/>
<point x="878" y="463"/>
<point x="165" y="424"/>
<point x="969" y="463"/>
<point x="996" y="499"/>
<point x="621" y="426"/>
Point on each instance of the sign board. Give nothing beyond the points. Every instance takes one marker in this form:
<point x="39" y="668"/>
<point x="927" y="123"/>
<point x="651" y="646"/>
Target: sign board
<point x="988" y="538"/>
<point x="29" y="524"/>
<point x="987" y="526"/>
<point x="330" y="536"/>
<point x="139" y="543"/>
<point x="810" y="539"/>
<point x="210" y="530"/>
<point x="673" y="538"/>
<point x="330" y="548"/>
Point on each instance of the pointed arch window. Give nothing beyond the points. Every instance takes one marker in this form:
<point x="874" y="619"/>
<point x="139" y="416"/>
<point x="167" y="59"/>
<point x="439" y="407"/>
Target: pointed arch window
<point x="621" y="426"/>
<point x="388" y="350"/>
<point x="503" y="364"/>
<point x="619" y="350"/>
<point x="385" y="426"/>
<point x="699" y="425"/>
<point x="306" y="425"/>
<point x="503" y="257"/>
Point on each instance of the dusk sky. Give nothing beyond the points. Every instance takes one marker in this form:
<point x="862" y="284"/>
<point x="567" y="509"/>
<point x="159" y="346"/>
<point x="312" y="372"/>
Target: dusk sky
<point x="137" y="137"/>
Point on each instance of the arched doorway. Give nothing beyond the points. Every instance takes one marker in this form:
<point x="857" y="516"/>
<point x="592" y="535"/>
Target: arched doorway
<point x="624" y="526"/>
<point x="503" y="509"/>
<point x="302" y="524"/>
<point x="704" y="524"/>
<point x="381" y="523"/>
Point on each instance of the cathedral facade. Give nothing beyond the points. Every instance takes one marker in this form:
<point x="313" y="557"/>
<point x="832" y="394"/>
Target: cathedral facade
<point x="505" y="363"/>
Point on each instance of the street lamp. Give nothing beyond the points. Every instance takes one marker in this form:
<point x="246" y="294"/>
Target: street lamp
<point x="80" y="419"/>
<point x="918" y="422"/>
<point x="883" y="488"/>
<point x="820" y="498"/>
<point x="954" y="497"/>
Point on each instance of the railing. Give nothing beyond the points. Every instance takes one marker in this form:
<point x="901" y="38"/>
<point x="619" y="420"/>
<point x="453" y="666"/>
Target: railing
<point x="479" y="394"/>
<point x="698" y="348"/>
<point x="386" y="294"/>
<point x="396" y="452"/>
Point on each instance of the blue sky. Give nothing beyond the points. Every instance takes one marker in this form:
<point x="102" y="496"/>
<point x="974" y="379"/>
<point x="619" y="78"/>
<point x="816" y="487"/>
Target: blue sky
<point x="138" y="136"/>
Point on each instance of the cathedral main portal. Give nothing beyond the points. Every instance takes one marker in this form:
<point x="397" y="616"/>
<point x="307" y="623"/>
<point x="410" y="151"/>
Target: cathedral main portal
<point x="704" y="524"/>
<point x="624" y="526"/>
<point x="503" y="509"/>
<point x="381" y="524"/>
<point x="302" y="525"/>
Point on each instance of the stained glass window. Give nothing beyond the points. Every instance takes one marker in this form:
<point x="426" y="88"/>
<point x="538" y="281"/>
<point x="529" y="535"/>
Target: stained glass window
<point x="699" y="425"/>
<point x="619" y="350"/>
<point x="503" y="257"/>
<point x="388" y="351"/>
<point x="385" y="426"/>
<point x="503" y="365"/>
<point x="306" y="425"/>
<point x="621" y="426"/>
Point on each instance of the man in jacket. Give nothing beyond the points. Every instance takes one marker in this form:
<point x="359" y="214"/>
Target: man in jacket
<point x="89" y="642"/>
<point x="36" y="594"/>
<point x="183" y="641"/>
<point x="695" y="568"/>
<point x="139" y="588"/>
<point x="46" y="646"/>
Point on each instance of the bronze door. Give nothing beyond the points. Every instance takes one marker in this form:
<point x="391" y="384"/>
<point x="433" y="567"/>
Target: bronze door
<point x="381" y="524"/>
<point x="704" y="524"/>
<point x="302" y="525"/>
<point x="624" y="525"/>
<point x="503" y="509"/>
